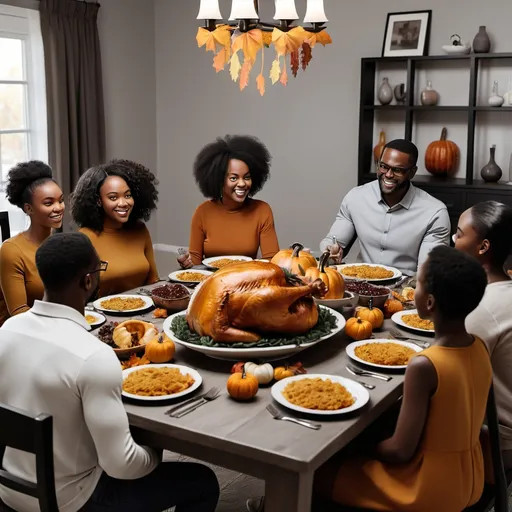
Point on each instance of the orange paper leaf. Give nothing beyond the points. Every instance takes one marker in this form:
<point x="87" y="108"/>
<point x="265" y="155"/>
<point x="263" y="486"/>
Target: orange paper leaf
<point x="287" y="42"/>
<point x="235" y="67"/>
<point x="294" y="62"/>
<point x="275" y="71"/>
<point x="260" y="83"/>
<point x="219" y="61"/>
<point x="284" y="77"/>
<point x="250" y="43"/>
<point x="306" y="55"/>
<point x="320" y="37"/>
<point x="221" y="36"/>
<point x="267" y="38"/>
<point x="244" y="74"/>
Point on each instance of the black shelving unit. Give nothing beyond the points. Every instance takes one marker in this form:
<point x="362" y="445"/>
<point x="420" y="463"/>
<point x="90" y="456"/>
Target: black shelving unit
<point x="457" y="193"/>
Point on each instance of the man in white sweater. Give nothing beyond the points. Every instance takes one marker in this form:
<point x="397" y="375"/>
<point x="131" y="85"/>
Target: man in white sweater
<point x="50" y="363"/>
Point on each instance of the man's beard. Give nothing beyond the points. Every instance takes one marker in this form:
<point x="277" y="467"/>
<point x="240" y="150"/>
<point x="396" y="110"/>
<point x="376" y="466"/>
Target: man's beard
<point x="400" y="186"/>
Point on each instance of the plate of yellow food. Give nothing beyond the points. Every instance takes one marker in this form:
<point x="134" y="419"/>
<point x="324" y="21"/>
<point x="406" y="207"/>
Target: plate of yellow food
<point x="409" y="319"/>
<point x="154" y="382"/>
<point x="94" y="319"/>
<point x="320" y="394"/>
<point x="382" y="353"/>
<point x="217" y="262"/>
<point x="368" y="272"/>
<point x="189" y="276"/>
<point x="123" y="304"/>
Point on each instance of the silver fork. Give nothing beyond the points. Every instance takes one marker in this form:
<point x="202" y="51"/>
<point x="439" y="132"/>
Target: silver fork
<point x="364" y="384"/>
<point x="173" y="409"/>
<point x="278" y="416"/>
<point x="208" y="397"/>
<point x="399" y="336"/>
<point x="367" y="373"/>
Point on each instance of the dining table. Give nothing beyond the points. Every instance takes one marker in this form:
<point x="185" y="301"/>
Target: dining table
<point x="244" y="436"/>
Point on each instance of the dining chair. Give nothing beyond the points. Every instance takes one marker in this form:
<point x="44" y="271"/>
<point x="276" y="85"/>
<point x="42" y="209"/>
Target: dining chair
<point x="4" y="226"/>
<point x="33" y="434"/>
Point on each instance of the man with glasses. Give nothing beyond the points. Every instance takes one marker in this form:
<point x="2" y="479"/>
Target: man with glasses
<point x="50" y="363"/>
<point x="396" y="223"/>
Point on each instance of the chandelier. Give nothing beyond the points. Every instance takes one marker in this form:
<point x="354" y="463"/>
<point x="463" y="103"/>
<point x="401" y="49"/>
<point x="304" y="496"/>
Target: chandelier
<point x="237" y="43"/>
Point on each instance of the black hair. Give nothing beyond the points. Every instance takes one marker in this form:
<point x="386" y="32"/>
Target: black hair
<point x="86" y="208"/>
<point x="456" y="280"/>
<point x="211" y="164"/>
<point x="404" y="146"/>
<point x="64" y="257"/>
<point x="493" y="221"/>
<point x="23" y="179"/>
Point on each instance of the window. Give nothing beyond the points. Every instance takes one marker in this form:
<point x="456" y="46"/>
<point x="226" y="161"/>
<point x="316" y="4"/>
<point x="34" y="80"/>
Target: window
<point x="23" y="132"/>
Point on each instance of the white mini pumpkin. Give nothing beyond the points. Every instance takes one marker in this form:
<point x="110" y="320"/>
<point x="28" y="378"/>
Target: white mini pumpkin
<point x="263" y="372"/>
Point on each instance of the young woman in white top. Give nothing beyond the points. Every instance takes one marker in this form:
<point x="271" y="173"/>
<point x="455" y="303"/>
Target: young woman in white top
<point x="485" y="231"/>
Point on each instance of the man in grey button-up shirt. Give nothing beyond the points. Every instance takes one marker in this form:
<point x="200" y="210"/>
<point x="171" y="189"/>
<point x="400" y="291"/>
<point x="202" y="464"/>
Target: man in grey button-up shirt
<point x="397" y="224"/>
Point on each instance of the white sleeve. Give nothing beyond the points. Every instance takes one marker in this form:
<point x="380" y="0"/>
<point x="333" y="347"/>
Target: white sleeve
<point x="99" y="383"/>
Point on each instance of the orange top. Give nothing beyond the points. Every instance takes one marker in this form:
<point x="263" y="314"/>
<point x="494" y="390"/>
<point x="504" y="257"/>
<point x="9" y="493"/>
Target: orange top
<point x="130" y="256"/>
<point x="447" y="472"/>
<point x="20" y="281"/>
<point x="219" y="231"/>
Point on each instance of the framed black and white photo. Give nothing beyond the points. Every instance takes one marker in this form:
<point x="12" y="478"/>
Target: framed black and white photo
<point x="407" y="34"/>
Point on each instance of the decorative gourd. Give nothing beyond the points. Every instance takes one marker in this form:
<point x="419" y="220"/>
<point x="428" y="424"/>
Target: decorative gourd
<point x="374" y="315"/>
<point x="408" y="293"/>
<point x="160" y="349"/>
<point x="237" y="367"/>
<point x="263" y="372"/>
<point x="281" y="372"/>
<point x="133" y="332"/>
<point x="294" y="259"/>
<point x="377" y="150"/>
<point x="392" y="306"/>
<point x="242" y="386"/>
<point x="442" y="156"/>
<point x="358" y="329"/>
<point x="330" y="276"/>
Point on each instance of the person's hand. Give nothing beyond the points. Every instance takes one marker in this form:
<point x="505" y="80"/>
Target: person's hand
<point x="185" y="261"/>
<point x="336" y="253"/>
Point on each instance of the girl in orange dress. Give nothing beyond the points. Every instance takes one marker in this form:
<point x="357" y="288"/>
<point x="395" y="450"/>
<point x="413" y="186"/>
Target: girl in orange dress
<point x="433" y="461"/>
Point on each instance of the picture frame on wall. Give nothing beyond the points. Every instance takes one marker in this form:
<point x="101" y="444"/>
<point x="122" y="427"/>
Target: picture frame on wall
<point x="407" y="34"/>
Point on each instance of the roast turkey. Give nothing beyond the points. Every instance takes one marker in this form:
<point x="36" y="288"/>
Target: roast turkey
<point x="242" y="301"/>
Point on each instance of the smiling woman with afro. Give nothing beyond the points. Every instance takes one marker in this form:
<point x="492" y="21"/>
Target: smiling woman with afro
<point x="229" y="172"/>
<point x="110" y="204"/>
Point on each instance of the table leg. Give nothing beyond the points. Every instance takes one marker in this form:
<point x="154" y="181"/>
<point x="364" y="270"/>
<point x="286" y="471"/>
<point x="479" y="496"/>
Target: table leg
<point x="286" y="490"/>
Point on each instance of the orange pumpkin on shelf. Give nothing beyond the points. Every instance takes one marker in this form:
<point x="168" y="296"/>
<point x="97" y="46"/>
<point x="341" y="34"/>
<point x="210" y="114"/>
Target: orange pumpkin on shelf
<point x="242" y="386"/>
<point x="330" y="276"/>
<point x="294" y="259"/>
<point x="392" y="306"/>
<point x="374" y="315"/>
<point x="160" y="349"/>
<point x="442" y="156"/>
<point x="358" y="329"/>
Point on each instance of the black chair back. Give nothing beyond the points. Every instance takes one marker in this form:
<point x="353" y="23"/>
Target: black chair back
<point x="4" y="226"/>
<point x="32" y="434"/>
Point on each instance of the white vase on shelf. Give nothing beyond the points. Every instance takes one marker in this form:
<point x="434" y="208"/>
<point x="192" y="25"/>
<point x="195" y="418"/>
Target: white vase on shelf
<point x="495" y="100"/>
<point x="507" y="97"/>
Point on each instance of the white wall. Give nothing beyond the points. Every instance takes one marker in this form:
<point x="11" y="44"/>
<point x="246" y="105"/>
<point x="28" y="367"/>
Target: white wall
<point x="311" y="127"/>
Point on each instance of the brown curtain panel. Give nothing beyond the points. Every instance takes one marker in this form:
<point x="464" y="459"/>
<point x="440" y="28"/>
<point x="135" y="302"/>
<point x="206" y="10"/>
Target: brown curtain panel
<point x="74" y="89"/>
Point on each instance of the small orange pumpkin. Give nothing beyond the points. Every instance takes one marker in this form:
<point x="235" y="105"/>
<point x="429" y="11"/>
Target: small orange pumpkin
<point x="442" y="156"/>
<point x="392" y="306"/>
<point x="374" y="315"/>
<point x="160" y="349"/>
<point x="358" y="329"/>
<point x="242" y="386"/>
<point x="281" y="372"/>
<point x="294" y="259"/>
<point x="330" y="276"/>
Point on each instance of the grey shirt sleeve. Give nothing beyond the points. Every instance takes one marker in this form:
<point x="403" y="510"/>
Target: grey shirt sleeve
<point x="343" y="227"/>
<point x="438" y="233"/>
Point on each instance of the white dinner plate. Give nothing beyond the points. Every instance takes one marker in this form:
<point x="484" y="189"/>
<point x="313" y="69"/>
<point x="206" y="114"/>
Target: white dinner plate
<point x="208" y="261"/>
<point x="396" y="272"/>
<point x="360" y="394"/>
<point x="148" y="303"/>
<point x="98" y="318"/>
<point x="248" y="354"/>
<point x="350" y="349"/>
<point x="183" y="369"/>
<point x="174" y="276"/>
<point x="397" y="318"/>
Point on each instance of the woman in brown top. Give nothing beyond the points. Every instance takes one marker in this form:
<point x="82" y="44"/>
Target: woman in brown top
<point x="30" y="186"/>
<point x="109" y="204"/>
<point x="229" y="172"/>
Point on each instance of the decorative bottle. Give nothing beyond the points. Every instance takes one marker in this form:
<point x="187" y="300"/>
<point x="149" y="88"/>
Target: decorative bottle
<point x="495" y="100"/>
<point x="377" y="150"/>
<point x="481" y="42"/>
<point x="491" y="172"/>
<point x="429" y="97"/>
<point x="385" y="93"/>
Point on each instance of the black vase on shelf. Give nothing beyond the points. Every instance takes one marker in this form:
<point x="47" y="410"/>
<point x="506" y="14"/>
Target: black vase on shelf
<point x="491" y="172"/>
<point x="481" y="42"/>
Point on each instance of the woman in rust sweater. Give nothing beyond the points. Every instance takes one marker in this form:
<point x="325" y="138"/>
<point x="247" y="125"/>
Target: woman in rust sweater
<point x="229" y="172"/>
<point x="30" y="186"/>
<point x="109" y="204"/>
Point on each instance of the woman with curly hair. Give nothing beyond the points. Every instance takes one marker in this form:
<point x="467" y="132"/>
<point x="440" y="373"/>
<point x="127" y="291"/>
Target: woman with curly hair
<point x="229" y="172"/>
<point x="30" y="187"/>
<point x="109" y="204"/>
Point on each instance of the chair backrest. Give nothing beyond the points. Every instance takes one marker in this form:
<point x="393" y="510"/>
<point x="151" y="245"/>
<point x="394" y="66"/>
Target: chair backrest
<point x="4" y="226"/>
<point x="32" y="434"/>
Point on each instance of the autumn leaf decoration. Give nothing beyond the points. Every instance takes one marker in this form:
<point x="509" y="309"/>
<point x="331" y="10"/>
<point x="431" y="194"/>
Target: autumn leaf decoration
<point x="240" y="50"/>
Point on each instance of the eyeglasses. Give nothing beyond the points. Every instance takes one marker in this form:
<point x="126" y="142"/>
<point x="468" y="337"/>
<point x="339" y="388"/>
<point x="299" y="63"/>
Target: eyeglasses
<point x="103" y="267"/>
<point x="397" y="171"/>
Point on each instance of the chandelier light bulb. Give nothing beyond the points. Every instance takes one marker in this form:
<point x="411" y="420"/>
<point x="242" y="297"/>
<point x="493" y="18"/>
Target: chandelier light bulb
<point x="315" y="12"/>
<point x="243" y="10"/>
<point x="286" y="10"/>
<point x="209" y="10"/>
